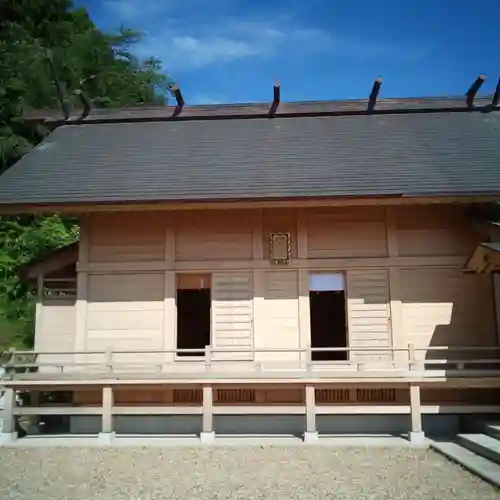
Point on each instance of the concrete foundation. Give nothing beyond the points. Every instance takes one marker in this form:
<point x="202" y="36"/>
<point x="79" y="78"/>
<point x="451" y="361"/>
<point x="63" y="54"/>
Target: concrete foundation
<point x="311" y="437"/>
<point x="207" y="437"/>
<point x="106" y="437"/>
<point x="285" y="425"/>
<point x="7" y="437"/>
<point x="417" y="438"/>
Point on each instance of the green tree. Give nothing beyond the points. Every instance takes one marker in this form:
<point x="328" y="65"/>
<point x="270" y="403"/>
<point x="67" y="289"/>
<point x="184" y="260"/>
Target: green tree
<point x="40" y="39"/>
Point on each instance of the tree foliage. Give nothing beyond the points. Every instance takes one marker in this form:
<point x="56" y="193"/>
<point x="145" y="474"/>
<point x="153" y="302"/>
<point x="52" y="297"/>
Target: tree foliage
<point x="40" y="39"/>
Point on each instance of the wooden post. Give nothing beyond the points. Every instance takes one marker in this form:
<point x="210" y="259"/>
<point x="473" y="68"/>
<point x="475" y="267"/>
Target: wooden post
<point x="308" y="358"/>
<point x="107" y="435"/>
<point x="169" y="320"/>
<point x="34" y="396"/>
<point x="207" y="434"/>
<point x="208" y="358"/>
<point x="416" y="434"/>
<point x="311" y="433"/>
<point x="304" y="312"/>
<point x="9" y="433"/>
<point x="411" y="356"/>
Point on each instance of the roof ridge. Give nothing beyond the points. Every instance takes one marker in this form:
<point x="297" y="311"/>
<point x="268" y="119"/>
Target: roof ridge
<point x="265" y="110"/>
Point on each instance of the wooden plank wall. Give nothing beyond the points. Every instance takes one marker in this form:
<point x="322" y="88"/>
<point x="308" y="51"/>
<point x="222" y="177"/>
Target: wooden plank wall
<point x="125" y="311"/>
<point x="402" y="263"/>
<point x="232" y="314"/>
<point x="369" y="312"/>
<point x="55" y="329"/>
<point x="281" y="313"/>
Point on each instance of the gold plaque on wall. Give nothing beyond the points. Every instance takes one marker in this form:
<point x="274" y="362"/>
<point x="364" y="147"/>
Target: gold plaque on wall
<point x="279" y="248"/>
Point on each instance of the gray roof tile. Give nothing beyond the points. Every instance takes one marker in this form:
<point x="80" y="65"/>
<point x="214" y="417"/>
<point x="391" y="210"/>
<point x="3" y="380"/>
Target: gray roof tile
<point x="393" y="154"/>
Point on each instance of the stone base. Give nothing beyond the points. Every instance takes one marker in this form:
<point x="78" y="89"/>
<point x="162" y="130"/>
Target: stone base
<point x="310" y="437"/>
<point x="8" y="437"/>
<point x="417" y="438"/>
<point x="106" y="437"/>
<point x="207" y="437"/>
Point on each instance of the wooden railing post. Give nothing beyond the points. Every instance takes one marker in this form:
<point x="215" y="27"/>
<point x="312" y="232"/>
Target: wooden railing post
<point x="308" y="357"/>
<point x="9" y="433"/>
<point x="416" y="434"/>
<point x="207" y="433"/>
<point x="34" y="400"/>
<point x="311" y="433"/>
<point x="11" y="361"/>
<point x="208" y="357"/>
<point x="107" y="434"/>
<point x="411" y="356"/>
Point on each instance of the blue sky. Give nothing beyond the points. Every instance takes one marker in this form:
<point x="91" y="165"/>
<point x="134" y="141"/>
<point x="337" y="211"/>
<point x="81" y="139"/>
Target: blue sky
<point x="223" y="51"/>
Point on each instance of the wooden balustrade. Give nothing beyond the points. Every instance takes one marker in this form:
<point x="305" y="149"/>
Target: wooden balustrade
<point x="455" y="361"/>
<point x="210" y="400"/>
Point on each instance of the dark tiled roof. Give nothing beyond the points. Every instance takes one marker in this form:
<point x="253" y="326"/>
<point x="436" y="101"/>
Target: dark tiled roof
<point x="410" y="154"/>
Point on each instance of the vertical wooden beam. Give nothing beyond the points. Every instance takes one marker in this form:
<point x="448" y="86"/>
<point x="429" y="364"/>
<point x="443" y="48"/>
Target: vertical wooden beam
<point x="9" y="424"/>
<point x="311" y="433"/>
<point x="169" y="317"/>
<point x="107" y="434"/>
<point x="416" y="434"/>
<point x="395" y="306"/>
<point x="82" y="280"/>
<point x="304" y="311"/>
<point x="301" y="233"/>
<point x="34" y="400"/>
<point x="169" y="327"/>
<point x="207" y="434"/>
<point x="259" y="284"/>
<point x="39" y="288"/>
<point x="82" y="285"/>
<point x="39" y="308"/>
<point x="258" y="236"/>
<point x="170" y="228"/>
<point x="260" y="328"/>
<point x="391" y="232"/>
<point x="303" y="284"/>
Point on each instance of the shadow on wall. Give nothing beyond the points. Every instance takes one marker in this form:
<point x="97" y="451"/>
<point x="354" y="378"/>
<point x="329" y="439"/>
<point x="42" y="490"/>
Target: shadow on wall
<point x="440" y="307"/>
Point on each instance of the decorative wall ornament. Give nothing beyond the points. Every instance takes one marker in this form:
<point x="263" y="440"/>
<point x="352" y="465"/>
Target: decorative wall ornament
<point x="279" y="248"/>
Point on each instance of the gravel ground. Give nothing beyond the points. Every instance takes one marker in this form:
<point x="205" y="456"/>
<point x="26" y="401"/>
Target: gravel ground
<point x="237" y="473"/>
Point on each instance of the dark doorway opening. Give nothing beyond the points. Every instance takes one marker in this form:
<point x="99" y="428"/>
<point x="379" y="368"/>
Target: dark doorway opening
<point x="193" y="320"/>
<point x="328" y="322"/>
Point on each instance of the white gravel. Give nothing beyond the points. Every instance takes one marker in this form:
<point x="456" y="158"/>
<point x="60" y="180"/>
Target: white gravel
<point x="237" y="473"/>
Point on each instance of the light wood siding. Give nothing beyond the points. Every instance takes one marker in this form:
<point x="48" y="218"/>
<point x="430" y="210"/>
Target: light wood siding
<point x="447" y="307"/>
<point x="434" y="230"/>
<point x="116" y="237"/>
<point x="280" y="323"/>
<point x="232" y="313"/>
<point x="205" y="235"/>
<point x="55" y="332"/>
<point x="125" y="312"/>
<point x="346" y="233"/>
<point x="368" y="312"/>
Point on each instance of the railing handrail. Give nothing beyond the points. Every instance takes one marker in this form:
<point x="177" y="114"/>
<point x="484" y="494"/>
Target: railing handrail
<point x="253" y="350"/>
<point x="33" y="362"/>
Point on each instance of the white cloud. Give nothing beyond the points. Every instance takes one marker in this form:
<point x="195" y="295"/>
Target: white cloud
<point x="203" y="51"/>
<point x="195" y="41"/>
<point x="229" y="41"/>
<point x="130" y="11"/>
